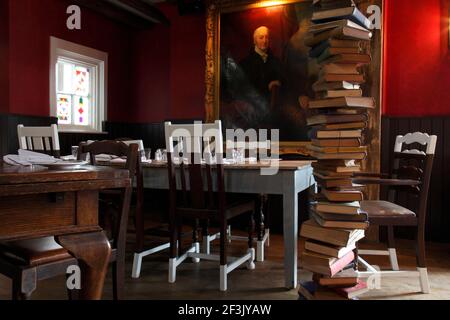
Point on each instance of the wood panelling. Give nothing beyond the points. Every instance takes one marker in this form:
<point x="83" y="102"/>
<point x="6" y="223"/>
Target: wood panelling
<point x="438" y="219"/>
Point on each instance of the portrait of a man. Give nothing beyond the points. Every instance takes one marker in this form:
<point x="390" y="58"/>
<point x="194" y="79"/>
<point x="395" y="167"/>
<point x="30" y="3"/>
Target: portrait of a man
<point x="265" y="69"/>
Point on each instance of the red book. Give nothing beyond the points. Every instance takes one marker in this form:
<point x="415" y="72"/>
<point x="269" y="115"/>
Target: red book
<point x="325" y="265"/>
<point x="352" y="292"/>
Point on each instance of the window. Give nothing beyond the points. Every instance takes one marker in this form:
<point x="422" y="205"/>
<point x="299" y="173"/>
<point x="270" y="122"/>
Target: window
<point x="77" y="85"/>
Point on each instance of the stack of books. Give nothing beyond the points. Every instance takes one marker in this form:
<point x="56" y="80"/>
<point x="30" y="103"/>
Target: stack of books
<point x="339" y="114"/>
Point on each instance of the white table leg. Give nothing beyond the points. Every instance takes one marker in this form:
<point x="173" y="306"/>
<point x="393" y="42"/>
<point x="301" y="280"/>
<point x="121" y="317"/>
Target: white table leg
<point x="290" y="227"/>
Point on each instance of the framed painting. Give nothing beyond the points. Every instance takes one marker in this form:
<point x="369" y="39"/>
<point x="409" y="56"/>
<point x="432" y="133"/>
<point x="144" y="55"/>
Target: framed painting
<point x="258" y="71"/>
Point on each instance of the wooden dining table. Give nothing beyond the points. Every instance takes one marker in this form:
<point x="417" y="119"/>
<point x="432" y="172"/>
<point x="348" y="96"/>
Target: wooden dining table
<point x="292" y="178"/>
<point x="38" y="202"/>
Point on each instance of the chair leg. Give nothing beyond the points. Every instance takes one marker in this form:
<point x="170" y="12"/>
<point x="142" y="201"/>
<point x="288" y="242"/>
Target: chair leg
<point x="223" y="254"/>
<point x="195" y="242"/>
<point x="223" y="278"/>
<point x="173" y="251"/>
<point x="421" y="263"/>
<point x="424" y="283"/>
<point x="118" y="279"/>
<point x="205" y="233"/>
<point x="23" y="287"/>
<point x="391" y="248"/>
<point x="251" y="228"/>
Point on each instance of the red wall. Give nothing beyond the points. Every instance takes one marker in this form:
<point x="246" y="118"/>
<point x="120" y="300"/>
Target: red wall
<point x="4" y="56"/>
<point x="31" y="25"/>
<point x="158" y="74"/>
<point x="151" y="75"/>
<point x="187" y="64"/>
<point x="417" y="58"/>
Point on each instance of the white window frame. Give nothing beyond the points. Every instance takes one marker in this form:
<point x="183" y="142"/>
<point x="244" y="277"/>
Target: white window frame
<point x="95" y="59"/>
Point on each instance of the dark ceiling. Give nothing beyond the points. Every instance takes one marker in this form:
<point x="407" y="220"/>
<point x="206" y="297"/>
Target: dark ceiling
<point x="140" y="14"/>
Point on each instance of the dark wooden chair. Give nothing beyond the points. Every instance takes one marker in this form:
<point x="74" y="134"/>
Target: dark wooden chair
<point x="411" y="174"/>
<point x="29" y="261"/>
<point x="262" y="239"/>
<point x="197" y="200"/>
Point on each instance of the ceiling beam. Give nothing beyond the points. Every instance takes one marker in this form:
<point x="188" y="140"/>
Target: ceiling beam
<point x="138" y="17"/>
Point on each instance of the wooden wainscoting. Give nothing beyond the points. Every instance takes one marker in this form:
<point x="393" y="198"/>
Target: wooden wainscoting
<point x="438" y="217"/>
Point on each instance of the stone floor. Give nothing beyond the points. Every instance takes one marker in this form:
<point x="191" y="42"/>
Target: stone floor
<point x="201" y="281"/>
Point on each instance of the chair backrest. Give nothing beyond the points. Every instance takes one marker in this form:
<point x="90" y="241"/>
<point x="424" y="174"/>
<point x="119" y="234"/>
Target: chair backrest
<point x="119" y="149"/>
<point x="111" y="147"/>
<point x="40" y="139"/>
<point x="412" y="163"/>
<point x="187" y="145"/>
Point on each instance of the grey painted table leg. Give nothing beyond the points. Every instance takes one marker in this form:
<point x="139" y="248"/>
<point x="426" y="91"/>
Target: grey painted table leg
<point x="290" y="227"/>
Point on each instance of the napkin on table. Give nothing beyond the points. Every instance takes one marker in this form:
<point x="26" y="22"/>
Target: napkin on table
<point x="28" y="158"/>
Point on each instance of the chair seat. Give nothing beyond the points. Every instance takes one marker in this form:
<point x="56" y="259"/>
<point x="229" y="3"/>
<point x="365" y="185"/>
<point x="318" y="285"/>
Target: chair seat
<point x="233" y="209"/>
<point x="34" y="252"/>
<point x="384" y="212"/>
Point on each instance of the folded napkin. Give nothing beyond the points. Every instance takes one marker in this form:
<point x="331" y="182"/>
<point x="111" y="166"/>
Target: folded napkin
<point x="118" y="160"/>
<point x="105" y="157"/>
<point x="28" y="158"/>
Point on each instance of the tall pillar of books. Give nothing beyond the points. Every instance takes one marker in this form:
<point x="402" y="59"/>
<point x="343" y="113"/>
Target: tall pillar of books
<point x="338" y="118"/>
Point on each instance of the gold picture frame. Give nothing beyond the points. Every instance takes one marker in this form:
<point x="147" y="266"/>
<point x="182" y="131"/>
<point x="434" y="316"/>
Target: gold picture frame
<point x="212" y="99"/>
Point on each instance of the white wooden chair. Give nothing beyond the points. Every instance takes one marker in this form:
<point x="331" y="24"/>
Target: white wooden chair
<point x="39" y="139"/>
<point x="411" y="174"/>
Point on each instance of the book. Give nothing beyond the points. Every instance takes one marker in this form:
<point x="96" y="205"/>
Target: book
<point x="345" y="156"/>
<point x="345" y="278"/>
<point x="363" y="225"/>
<point x="348" y="58"/>
<point x="361" y="217"/>
<point x="350" y="13"/>
<point x="329" y="173"/>
<point x="336" y="168"/>
<point x="332" y="182"/>
<point x="327" y="249"/>
<point x="337" y="149"/>
<point x="335" y="118"/>
<point x="320" y="27"/>
<point x="349" y="111"/>
<point x="354" y="291"/>
<point x="342" y="163"/>
<point x="332" y="4"/>
<point x="342" y="126"/>
<point x="342" y="196"/>
<point x="338" y="134"/>
<point x="334" y="43"/>
<point x="343" y="33"/>
<point x="338" y="208"/>
<point x="329" y="52"/>
<point x="352" y="142"/>
<point x="351" y="78"/>
<point x="323" y="264"/>
<point x="339" y="93"/>
<point x="339" y="237"/>
<point x="338" y="85"/>
<point x="353" y="102"/>
<point x="339" y="68"/>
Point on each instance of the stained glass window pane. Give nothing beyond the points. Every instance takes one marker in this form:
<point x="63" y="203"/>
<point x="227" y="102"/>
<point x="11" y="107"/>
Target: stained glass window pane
<point x="65" y="77"/>
<point x="64" y="109"/>
<point x="81" y="81"/>
<point x="81" y="110"/>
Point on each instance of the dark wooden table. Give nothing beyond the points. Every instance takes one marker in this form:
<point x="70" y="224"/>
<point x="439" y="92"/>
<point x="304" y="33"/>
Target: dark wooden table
<point x="37" y="202"/>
